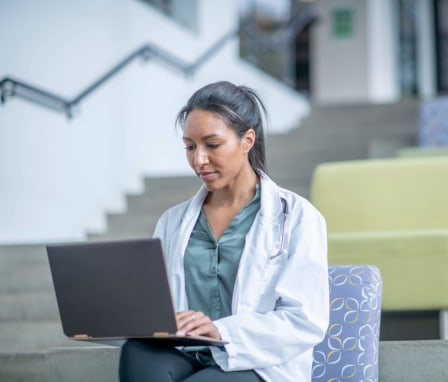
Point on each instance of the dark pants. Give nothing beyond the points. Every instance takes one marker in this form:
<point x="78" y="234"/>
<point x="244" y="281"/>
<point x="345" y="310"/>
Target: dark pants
<point x="141" y="361"/>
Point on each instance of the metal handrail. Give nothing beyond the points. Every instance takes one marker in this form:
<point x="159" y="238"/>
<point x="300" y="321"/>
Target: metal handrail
<point x="10" y="87"/>
<point x="306" y="15"/>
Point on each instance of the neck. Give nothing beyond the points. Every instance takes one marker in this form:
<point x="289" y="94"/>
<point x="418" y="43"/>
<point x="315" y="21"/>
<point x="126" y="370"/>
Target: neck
<point x="240" y="192"/>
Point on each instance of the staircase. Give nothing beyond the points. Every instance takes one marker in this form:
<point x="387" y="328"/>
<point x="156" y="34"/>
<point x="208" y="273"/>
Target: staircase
<point x="29" y="322"/>
<point x="328" y="134"/>
<point x="333" y="133"/>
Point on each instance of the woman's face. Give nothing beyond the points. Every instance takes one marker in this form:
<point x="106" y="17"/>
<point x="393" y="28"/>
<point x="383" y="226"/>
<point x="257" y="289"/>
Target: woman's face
<point x="215" y="152"/>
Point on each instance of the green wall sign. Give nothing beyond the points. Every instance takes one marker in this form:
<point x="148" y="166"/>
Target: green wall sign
<point x="342" y="22"/>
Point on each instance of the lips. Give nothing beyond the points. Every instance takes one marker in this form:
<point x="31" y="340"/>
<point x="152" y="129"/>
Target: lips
<point x="205" y="175"/>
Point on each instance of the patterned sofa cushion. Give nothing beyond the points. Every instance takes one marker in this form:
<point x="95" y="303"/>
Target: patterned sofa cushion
<point x="349" y="351"/>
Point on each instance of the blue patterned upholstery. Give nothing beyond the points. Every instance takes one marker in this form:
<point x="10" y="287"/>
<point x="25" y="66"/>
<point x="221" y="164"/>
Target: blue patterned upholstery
<point x="433" y="129"/>
<point x="349" y="351"/>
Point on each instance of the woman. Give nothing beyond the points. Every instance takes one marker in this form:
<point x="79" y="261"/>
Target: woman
<point x="246" y="258"/>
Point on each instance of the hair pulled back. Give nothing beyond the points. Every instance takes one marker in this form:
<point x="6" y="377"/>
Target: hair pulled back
<point x="241" y="109"/>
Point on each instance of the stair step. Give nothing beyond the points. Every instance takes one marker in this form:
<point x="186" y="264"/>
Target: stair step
<point x="99" y="364"/>
<point x="141" y="225"/>
<point x="418" y="360"/>
<point x="62" y="364"/>
<point x="171" y="184"/>
<point x="23" y="367"/>
<point x="28" y="306"/>
<point x="27" y="336"/>
<point x="22" y="278"/>
<point x="28" y="255"/>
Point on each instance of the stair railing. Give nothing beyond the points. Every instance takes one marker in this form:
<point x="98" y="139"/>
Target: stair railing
<point x="10" y="87"/>
<point x="303" y="17"/>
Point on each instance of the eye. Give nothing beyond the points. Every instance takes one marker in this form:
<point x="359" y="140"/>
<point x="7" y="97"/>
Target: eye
<point x="188" y="147"/>
<point x="213" y="145"/>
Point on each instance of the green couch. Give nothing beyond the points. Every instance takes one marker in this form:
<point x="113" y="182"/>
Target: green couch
<point x="392" y="213"/>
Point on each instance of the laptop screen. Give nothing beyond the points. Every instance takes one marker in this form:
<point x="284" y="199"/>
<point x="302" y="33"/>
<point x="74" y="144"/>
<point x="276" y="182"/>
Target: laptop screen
<point x="116" y="289"/>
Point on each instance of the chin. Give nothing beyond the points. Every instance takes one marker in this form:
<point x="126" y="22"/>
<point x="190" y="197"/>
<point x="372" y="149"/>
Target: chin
<point x="212" y="186"/>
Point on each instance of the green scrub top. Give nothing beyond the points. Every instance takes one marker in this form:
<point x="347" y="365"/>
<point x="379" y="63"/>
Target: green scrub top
<point x="211" y="265"/>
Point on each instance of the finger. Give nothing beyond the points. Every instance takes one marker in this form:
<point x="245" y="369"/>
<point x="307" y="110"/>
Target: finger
<point x="186" y="320"/>
<point x="182" y="315"/>
<point x="208" y="329"/>
<point x="194" y="323"/>
<point x="185" y="316"/>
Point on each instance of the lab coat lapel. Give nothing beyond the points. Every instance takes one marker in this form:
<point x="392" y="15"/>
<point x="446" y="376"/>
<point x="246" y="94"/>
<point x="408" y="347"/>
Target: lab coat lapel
<point x="179" y="242"/>
<point x="262" y="242"/>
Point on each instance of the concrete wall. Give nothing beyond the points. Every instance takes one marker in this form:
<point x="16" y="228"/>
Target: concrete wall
<point x="58" y="177"/>
<point x="413" y="361"/>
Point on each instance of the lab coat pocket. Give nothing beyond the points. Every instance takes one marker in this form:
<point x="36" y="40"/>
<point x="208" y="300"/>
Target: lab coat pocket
<point x="272" y="272"/>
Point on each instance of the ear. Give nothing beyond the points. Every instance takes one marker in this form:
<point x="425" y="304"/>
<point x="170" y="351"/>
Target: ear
<point x="248" y="139"/>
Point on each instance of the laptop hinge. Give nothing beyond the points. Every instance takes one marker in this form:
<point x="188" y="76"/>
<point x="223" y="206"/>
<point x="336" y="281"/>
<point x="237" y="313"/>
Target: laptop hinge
<point x="160" y="334"/>
<point x="81" y="337"/>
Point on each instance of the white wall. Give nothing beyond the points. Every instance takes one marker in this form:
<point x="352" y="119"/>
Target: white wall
<point x="58" y="177"/>
<point x="359" y="68"/>
<point x="339" y="70"/>
<point x="426" y="49"/>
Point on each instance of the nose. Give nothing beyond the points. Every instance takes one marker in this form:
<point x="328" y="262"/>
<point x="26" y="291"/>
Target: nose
<point x="200" y="157"/>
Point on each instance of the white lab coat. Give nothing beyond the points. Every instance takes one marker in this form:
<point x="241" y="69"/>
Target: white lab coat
<point x="280" y="304"/>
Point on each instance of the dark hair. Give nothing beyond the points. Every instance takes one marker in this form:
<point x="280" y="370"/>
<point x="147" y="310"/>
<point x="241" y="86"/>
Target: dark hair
<point x="240" y="107"/>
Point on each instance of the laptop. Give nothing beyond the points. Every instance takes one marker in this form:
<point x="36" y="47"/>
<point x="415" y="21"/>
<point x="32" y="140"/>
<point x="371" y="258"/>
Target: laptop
<point x="116" y="290"/>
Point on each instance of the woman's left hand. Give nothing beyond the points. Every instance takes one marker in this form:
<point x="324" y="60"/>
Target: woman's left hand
<point x="196" y="323"/>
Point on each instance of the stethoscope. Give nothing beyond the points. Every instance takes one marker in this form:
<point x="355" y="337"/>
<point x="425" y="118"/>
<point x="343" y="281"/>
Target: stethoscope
<point x="285" y="215"/>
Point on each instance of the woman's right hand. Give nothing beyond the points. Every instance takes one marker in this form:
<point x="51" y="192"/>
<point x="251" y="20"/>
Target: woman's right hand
<point x="196" y="323"/>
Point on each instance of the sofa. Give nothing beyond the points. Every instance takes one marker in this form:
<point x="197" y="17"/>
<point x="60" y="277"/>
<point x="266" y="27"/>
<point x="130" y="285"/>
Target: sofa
<point x="391" y="213"/>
